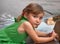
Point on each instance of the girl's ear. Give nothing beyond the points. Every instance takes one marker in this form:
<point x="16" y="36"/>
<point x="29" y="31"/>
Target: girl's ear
<point x="25" y="14"/>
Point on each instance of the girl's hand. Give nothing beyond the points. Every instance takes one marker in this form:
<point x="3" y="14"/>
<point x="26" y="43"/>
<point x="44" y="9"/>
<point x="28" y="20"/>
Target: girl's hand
<point x="54" y="35"/>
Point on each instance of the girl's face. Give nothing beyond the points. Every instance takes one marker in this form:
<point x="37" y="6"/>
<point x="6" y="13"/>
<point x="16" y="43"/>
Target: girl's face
<point x="35" y="20"/>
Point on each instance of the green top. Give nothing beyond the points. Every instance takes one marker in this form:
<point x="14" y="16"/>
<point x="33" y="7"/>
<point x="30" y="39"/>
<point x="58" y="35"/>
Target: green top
<point x="10" y="34"/>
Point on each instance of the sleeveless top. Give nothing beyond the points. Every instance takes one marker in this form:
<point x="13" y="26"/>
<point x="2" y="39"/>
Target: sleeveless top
<point x="10" y="35"/>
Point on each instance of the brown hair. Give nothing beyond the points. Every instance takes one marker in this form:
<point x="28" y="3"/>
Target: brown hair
<point x="33" y="8"/>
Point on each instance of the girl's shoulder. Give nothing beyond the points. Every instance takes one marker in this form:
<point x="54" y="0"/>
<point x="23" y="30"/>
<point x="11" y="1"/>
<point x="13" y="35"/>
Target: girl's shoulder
<point x="26" y="23"/>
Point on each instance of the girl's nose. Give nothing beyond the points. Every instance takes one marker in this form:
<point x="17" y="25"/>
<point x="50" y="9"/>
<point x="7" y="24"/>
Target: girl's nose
<point x="38" y="20"/>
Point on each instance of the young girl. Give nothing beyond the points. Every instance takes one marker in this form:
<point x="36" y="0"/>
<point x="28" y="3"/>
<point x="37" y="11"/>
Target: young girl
<point x="30" y="19"/>
<point x="46" y="28"/>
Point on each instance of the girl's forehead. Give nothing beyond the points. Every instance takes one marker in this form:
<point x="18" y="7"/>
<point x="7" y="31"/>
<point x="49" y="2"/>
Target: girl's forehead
<point x="36" y="13"/>
<point x="41" y="14"/>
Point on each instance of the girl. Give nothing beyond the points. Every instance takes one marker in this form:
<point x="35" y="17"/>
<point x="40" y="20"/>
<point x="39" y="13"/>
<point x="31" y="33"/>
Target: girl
<point x="46" y="27"/>
<point x="29" y="20"/>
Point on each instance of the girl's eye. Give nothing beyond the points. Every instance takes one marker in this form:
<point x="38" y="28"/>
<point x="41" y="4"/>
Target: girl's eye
<point x="41" y="17"/>
<point x="35" y="16"/>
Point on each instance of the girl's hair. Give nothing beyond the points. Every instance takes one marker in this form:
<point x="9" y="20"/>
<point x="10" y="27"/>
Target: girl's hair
<point x="33" y="8"/>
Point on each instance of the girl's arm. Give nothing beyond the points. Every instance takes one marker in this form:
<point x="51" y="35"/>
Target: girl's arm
<point x="31" y="32"/>
<point x="39" y="33"/>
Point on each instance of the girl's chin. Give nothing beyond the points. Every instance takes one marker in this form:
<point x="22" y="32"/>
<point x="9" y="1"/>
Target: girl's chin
<point x="35" y="26"/>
